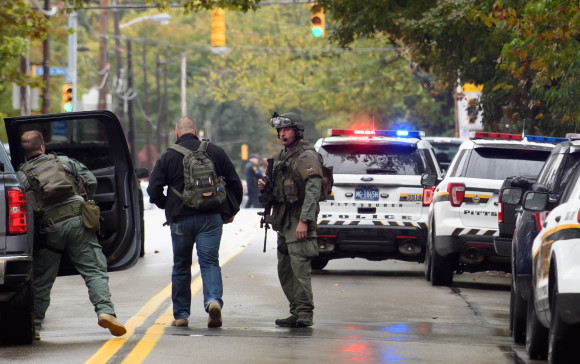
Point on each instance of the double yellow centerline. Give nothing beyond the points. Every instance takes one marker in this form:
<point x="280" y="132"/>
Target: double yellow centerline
<point x="155" y="332"/>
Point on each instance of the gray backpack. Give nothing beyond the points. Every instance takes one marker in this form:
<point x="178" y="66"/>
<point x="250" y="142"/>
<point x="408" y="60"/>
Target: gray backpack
<point x="204" y="190"/>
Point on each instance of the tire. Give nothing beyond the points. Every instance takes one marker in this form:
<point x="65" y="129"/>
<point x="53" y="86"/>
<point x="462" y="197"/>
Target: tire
<point x="142" y="218"/>
<point x="518" y="307"/>
<point x="319" y="263"/>
<point x="563" y="340"/>
<point x="536" y="333"/>
<point x="441" y="268"/>
<point x="428" y="252"/>
<point x="17" y="318"/>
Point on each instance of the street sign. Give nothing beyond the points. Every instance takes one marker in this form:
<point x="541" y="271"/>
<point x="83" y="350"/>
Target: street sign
<point x="54" y="71"/>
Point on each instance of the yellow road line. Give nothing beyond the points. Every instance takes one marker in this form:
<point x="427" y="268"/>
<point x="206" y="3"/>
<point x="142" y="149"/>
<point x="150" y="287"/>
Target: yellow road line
<point x="112" y="346"/>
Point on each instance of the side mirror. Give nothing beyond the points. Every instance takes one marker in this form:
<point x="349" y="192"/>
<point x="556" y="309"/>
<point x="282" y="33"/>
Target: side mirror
<point x="511" y="196"/>
<point x="141" y="173"/>
<point x="428" y="180"/>
<point x="536" y="201"/>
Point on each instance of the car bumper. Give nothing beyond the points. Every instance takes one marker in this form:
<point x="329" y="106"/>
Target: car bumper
<point x="373" y="242"/>
<point x="14" y="272"/>
<point x="475" y="249"/>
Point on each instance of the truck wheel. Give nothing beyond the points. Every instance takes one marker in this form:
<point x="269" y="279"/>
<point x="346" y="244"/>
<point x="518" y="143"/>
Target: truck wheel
<point x="319" y="263"/>
<point x="17" y="318"/>
<point x="441" y="269"/>
<point x="518" y="307"/>
<point x="563" y="339"/>
<point x="536" y="333"/>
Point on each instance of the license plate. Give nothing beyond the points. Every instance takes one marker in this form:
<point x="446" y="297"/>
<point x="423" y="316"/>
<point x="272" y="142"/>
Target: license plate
<point x="366" y="194"/>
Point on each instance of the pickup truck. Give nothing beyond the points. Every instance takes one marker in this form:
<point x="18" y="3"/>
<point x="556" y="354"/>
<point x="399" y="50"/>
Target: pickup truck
<point x="96" y="139"/>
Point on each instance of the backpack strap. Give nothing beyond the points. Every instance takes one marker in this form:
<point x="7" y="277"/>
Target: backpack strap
<point x="203" y="146"/>
<point x="179" y="148"/>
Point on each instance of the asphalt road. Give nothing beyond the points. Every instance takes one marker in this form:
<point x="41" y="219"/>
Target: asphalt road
<point x="366" y="312"/>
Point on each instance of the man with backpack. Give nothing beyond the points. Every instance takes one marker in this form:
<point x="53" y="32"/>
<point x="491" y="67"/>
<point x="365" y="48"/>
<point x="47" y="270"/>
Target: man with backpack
<point x="204" y="192"/>
<point x="297" y="184"/>
<point x="57" y="187"/>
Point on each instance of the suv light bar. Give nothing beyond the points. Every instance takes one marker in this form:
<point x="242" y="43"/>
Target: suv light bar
<point x="504" y="136"/>
<point x="370" y="133"/>
<point x="539" y="138"/>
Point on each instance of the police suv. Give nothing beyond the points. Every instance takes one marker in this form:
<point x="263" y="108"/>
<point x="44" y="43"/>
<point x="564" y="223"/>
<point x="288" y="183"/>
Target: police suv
<point x="463" y="218"/>
<point x="378" y="208"/>
<point x="553" y="315"/>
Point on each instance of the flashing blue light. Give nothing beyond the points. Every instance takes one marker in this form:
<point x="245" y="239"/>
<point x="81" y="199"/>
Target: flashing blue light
<point x="538" y="138"/>
<point x="400" y="133"/>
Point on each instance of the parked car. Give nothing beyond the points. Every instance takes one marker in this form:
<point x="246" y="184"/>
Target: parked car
<point x="553" y="315"/>
<point x="553" y="179"/>
<point x="378" y="208"/>
<point x="445" y="149"/>
<point x="96" y="139"/>
<point x="463" y="218"/>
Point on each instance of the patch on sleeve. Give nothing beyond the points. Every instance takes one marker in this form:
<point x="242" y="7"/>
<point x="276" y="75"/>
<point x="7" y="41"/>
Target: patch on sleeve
<point x="255" y="168"/>
<point x="309" y="169"/>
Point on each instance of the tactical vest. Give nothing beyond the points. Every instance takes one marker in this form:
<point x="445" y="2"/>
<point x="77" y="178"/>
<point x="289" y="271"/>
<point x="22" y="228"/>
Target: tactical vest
<point x="51" y="181"/>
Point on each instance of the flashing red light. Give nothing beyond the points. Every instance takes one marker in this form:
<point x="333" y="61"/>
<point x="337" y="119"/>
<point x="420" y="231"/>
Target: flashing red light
<point x="456" y="193"/>
<point x="428" y="195"/>
<point x="504" y="136"/>
<point x="17" y="211"/>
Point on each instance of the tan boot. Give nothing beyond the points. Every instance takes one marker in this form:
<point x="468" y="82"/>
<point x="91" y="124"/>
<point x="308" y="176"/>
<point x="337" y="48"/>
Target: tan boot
<point x="215" y="315"/>
<point x="180" y="322"/>
<point x="110" y="322"/>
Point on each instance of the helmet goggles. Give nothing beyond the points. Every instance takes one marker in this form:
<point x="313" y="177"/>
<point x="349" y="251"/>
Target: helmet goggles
<point x="281" y="122"/>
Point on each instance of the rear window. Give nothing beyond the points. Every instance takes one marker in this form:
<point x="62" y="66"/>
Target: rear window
<point x="375" y="159"/>
<point x="500" y="163"/>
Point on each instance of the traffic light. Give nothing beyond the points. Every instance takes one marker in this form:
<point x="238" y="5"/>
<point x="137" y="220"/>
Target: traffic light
<point x="244" y="152"/>
<point x="218" y="27"/>
<point x="67" y="97"/>
<point x="317" y="21"/>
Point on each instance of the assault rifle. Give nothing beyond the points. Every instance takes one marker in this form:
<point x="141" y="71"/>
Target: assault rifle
<point x="267" y="198"/>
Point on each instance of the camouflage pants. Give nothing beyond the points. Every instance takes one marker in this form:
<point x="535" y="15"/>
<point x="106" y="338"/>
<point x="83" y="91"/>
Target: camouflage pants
<point x="70" y="237"/>
<point x="294" y="273"/>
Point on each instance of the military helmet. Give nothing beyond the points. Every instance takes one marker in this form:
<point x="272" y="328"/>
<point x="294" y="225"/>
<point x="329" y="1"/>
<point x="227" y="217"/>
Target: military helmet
<point x="289" y="119"/>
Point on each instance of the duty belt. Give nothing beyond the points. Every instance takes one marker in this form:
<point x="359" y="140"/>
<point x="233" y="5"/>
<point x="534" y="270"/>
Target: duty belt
<point x="61" y="213"/>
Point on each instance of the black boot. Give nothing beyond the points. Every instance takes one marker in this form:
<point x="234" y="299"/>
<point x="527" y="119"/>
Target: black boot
<point x="304" y="321"/>
<point x="287" y="322"/>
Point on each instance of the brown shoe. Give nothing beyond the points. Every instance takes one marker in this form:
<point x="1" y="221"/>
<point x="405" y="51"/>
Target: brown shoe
<point x="180" y="322"/>
<point x="287" y="322"/>
<point x="36" y="334"/>
<point x="304" y="321"/>
<point x="215" y="315"/>
<point x="110" y="322"/>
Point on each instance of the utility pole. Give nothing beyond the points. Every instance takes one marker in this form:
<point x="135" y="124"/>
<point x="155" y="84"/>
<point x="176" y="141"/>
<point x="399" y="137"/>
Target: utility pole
<point x="103" y="67"/>
<point x="166" y="108"/>
<point x="118" y="90"/>
<point x="183" y="84"/>
<point x="25" y="90"/>
<point x="46" y="66"/>
<point x="146" y="108"/>
<point x="159" y="102"/>
<point x="130" y="108"/>
<point x="72" y="56"/>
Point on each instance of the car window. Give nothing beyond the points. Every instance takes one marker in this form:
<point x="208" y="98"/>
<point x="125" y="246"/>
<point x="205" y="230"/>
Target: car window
<point x="570" y="165"/>
<point x="500" y="163"/>
<point x="84" y="141"/>
<point x="375" y="159"/>
<point x="550" y="171"/>
<point x="445" y="151"/>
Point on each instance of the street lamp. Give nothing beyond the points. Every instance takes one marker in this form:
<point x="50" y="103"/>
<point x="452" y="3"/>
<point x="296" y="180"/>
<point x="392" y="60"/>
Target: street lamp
<point x="162" y="19"/>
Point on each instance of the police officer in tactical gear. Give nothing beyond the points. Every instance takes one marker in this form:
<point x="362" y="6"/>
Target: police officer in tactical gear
<point x="252" y="173"/>
<point x="63" y="230"/>
<point x="297" y="175"/>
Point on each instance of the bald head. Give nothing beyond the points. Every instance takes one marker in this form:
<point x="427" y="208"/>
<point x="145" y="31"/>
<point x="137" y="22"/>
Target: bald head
<point x="32" y="143"/>
<point x="185" y="125"/>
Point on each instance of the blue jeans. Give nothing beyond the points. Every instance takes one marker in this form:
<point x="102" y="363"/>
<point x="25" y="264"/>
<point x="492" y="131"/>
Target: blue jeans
<point x="206" y="231"/>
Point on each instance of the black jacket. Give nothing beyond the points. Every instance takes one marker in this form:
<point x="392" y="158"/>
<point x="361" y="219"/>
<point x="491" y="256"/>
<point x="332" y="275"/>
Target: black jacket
<point x="168" y="171"/>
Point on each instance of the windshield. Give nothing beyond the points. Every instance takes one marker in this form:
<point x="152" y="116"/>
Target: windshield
<point x="500" y="163"/>
<point x="444" y="152"/>
<point x="375" y="159"/>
